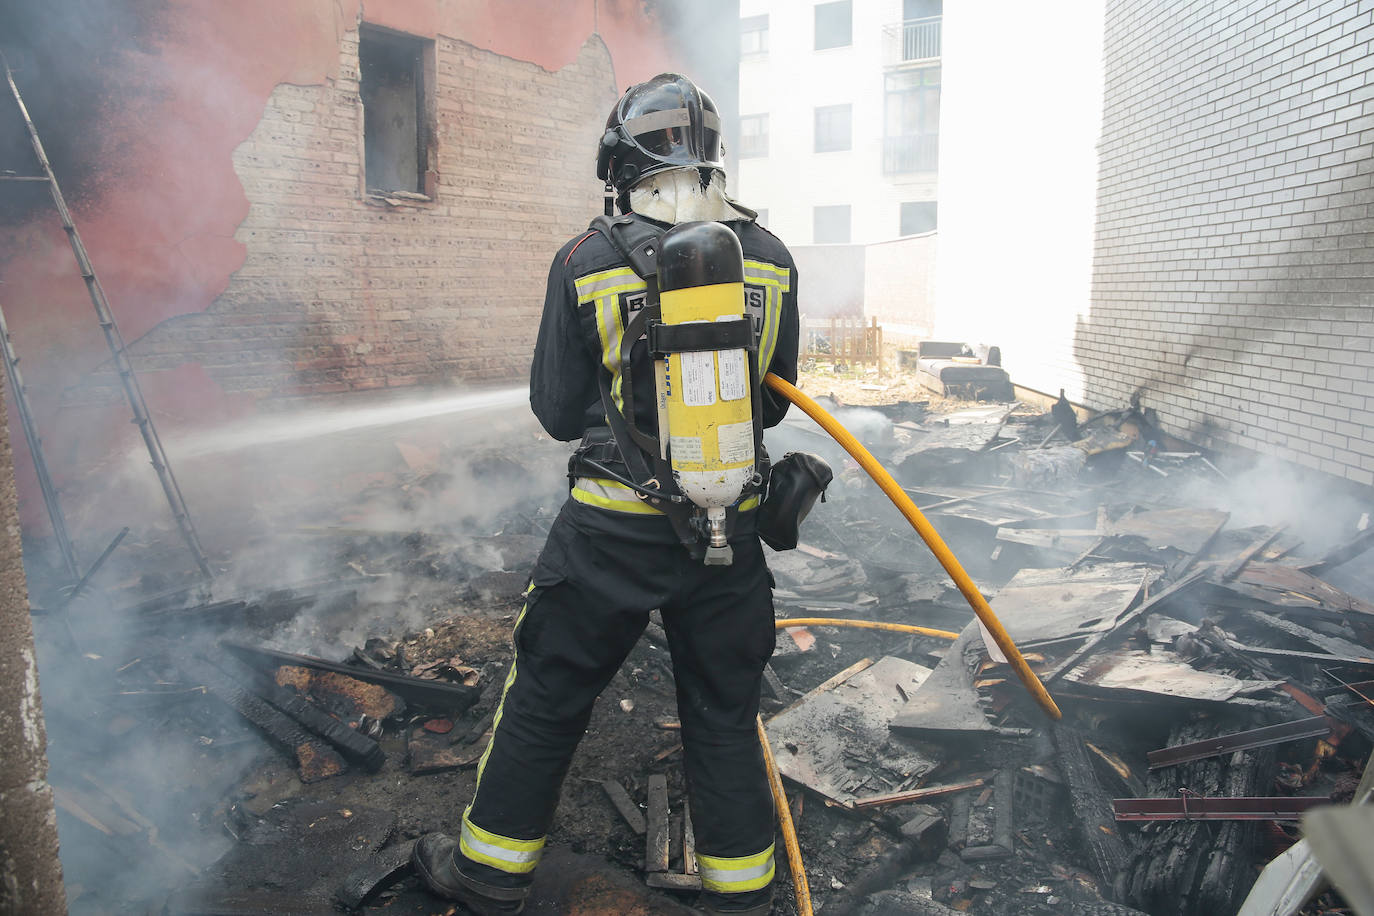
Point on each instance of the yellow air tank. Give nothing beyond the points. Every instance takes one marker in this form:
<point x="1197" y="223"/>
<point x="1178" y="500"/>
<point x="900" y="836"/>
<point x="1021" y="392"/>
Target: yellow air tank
<point x="706" y="412"/>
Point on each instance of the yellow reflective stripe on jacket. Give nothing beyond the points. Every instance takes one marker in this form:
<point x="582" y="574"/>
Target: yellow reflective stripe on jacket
<point x="607" y="494"/>
<point x="602" y="291"/>
<point x="595" y="285"/>
<point x="516" y="857"/>
<point x="616" y="497"/>
<point x="775" y="281"/>
<point x="736" y="875"/>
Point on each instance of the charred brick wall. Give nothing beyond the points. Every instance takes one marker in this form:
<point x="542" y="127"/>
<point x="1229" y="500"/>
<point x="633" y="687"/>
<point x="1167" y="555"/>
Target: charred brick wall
<point x="345" y="290"/>
<point x="1233" y="284"/>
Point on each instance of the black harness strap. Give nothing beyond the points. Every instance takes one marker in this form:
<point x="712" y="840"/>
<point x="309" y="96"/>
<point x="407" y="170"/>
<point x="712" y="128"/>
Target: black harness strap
<point x="637" y="242"/>
<point x="735" y="334"/>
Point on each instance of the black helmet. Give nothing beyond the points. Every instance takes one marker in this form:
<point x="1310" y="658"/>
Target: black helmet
<point x="666" y="123"/>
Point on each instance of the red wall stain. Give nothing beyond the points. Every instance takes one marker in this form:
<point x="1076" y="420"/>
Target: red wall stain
<point x="160" y="228"/>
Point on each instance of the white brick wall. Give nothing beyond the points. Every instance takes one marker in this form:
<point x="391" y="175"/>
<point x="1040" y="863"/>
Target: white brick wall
<point x="1233" y="280"/>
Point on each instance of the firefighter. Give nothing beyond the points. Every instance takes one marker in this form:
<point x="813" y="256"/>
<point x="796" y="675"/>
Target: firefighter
<point x="620" y="546"/>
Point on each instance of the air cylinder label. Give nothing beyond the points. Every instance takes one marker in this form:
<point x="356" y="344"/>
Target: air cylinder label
<point x="734" y="375"/>
<point x="699" y="378"/>
<point x="687" y="450"/>
<point x="736" y="441"/>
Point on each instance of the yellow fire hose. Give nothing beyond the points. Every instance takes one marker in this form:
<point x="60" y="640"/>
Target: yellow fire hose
<point x="956" y="572"/>
<point x="863" y="625"/>
<point x="928" y="534"/>
<point x="789" y="831"/>
<point x="800" y="887"/>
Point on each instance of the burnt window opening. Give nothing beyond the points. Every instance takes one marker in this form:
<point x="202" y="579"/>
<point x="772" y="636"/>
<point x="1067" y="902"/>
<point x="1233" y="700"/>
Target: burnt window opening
<point x="395" y="96"/>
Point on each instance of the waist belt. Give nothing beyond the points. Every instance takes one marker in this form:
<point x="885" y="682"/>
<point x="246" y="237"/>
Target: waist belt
<point x="598" y="454"/>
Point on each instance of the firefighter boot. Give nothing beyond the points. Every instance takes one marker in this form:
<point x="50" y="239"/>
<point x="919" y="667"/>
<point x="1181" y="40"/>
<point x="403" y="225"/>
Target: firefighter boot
<point x="435" y="862"/>
<point x="749" y="903"/>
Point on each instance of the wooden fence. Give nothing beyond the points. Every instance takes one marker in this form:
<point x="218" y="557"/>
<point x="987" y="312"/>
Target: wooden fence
<point x="844" y="342"/>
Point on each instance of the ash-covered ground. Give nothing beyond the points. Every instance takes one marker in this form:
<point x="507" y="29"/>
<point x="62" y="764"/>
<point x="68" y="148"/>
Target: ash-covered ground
<point x="400" y="541"/>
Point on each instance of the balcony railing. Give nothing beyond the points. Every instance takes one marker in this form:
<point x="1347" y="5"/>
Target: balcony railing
<point x="913" y="41"/>
<point x="916" y="153"/>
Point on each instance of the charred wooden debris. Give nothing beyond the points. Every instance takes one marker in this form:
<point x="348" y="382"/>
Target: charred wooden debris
<point x="1216" y="676"/>
<point x="1215" y="687"/>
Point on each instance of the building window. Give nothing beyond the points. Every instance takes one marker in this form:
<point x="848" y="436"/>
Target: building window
<point x="834" y="25"/>
<point x="753" y="136"/>
<point x="832" y="128"/>
<point x="911" y="141"/>
<point x="918" y="216"/>
<point x="753" y="36"/>
<point x="830" y="225"/>
<point x="395" y="96"/>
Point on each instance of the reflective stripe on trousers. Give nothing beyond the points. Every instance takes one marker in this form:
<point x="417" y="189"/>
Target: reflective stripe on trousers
<point x="510" y="855"/>
<point x="736" y="875"/>
<point x="516" y="857"/>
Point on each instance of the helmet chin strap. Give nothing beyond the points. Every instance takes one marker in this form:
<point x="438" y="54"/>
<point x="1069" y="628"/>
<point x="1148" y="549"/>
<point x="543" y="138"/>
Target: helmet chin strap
<point x="677" y="196"/>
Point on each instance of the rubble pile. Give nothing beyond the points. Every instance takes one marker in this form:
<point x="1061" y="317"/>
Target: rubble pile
<point x="1214" y="673"/>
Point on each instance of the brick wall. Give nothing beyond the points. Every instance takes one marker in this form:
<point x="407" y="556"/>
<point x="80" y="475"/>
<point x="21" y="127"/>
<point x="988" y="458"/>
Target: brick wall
<point x="1233" y="282"/>
<point x="340" y="291"/>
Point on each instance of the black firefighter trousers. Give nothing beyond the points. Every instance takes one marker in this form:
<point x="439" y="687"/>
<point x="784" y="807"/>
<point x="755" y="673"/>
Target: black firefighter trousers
<point x="599" y="575"/>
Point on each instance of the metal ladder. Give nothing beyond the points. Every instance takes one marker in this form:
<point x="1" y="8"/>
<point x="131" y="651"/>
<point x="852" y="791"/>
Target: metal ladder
<point x="115" y="340"/>
<point x="40" y="465"/>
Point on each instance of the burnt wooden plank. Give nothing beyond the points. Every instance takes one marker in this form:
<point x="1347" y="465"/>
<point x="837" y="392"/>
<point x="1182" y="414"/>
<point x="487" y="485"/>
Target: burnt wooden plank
<point x="1344" y="553"/>
<point x="625" y="805"/>
<point x="1264" y="540"/>
<point x="1332" y="645"/>
<point x="656" y="827"/>
<point x="453" y="697"/>
<point x="911" y="795"/>
<point x="1122" y="624"/>
<point x="1091" y="804"/>
<point x="354" y="745"/>
<point x="689" y="842"/>
<point x="1186" y="867"/>
<point x="315" y="759"/>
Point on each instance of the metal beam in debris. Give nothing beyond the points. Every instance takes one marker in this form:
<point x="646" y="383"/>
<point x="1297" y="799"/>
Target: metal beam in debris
<point x="1313" y="727"/>
<point x="1202" y="808"/>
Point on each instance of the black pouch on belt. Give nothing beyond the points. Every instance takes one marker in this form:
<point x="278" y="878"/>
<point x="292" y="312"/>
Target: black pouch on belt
<point x="794" y="483"/>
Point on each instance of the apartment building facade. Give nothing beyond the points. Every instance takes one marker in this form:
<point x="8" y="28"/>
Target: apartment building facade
<point x="839" y="111"/>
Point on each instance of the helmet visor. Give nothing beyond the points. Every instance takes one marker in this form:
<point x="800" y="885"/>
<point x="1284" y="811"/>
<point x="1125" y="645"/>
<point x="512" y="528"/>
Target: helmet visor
<point x="670" y="136"/>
